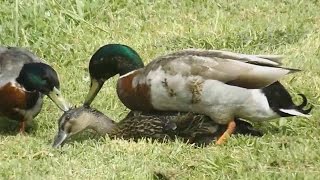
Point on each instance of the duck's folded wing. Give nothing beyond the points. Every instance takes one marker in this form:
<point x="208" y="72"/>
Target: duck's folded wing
<point x="241" y="70"/>
<point x="266" y="60"/>
<point x="238" y="73"/>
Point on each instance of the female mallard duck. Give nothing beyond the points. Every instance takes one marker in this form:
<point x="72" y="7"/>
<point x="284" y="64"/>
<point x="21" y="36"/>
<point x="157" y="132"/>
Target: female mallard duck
<point x="220" y="84"/>
<point x="24" y="78"/>
<point x="190" y="127"/>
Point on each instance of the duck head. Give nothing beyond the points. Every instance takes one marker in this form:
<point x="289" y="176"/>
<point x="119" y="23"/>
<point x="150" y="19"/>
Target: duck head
<point x="108" y="61"/>
<point x="42" y="78"/>
<point x="79" y="119"/>
<point x="70" y="123"/>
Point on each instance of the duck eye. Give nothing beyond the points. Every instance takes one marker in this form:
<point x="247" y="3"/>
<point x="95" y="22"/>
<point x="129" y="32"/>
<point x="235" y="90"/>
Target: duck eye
<point x="67" y="117"/>
<point x="69" y="130"/>
<point x="46" y="79"/>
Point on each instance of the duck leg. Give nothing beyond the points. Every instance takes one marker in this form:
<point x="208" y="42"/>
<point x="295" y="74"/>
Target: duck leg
<point x="230" y="129"/>
<point x="22" y="127"/>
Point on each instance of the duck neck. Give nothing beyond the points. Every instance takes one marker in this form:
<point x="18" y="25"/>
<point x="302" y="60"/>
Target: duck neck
<point x="102" y="125"/>
<point x="126" y="66"/>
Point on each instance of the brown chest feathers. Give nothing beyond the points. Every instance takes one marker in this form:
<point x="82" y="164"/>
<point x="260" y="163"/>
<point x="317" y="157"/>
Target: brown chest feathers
<point x="15" y="97"/>
<point x="135" y="96"/>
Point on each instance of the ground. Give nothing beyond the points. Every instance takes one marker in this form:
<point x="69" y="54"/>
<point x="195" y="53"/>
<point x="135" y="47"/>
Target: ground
<point x="66" y="34"/>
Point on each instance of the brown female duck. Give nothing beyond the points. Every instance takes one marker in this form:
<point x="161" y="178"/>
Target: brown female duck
<point x="190" y="127"/>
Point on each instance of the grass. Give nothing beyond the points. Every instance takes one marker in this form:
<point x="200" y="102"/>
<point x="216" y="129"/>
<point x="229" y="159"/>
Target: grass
<point x="66" y="33"/>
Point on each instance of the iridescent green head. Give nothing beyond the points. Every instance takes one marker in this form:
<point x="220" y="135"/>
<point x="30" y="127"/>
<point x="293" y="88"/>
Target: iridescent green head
<point x="108" y="61"/>
<point x="44" y="79"/>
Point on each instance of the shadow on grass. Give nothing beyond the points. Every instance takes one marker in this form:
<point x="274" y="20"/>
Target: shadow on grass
<point x="160" y="176"/>
<point x="11" y="127"/>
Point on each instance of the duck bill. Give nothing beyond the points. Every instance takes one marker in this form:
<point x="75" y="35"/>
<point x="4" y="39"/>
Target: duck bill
<point x="59" y="139"/>
<point x="57" y="98"/>
<point x="95" y="87"/>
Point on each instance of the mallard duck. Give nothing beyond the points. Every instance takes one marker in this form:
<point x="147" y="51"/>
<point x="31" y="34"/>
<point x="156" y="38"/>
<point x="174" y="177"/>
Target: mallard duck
<point x="24" y="79"/>
<point x="220" y="84"/>
<point x="190" y="127"/>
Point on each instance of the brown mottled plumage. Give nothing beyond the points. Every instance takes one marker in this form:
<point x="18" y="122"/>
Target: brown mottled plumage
<point x="190" y="127"/>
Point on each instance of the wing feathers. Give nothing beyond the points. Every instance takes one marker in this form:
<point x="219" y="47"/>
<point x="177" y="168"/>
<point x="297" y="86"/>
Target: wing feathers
<point x="271" y="60"/>
<point x="248" y="71"/>
<point x="275" y="58"/>
<point x="237" y="73"/>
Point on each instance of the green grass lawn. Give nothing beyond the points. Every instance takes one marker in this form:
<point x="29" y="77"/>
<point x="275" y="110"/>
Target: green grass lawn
<point x="67" y="33"/>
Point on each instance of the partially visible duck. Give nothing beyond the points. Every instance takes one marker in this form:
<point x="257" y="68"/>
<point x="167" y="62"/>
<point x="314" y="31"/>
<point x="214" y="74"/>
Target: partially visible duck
<point x="24" y="79"/>
<point x="220" y="84"/>
<point x="190" y="127"/>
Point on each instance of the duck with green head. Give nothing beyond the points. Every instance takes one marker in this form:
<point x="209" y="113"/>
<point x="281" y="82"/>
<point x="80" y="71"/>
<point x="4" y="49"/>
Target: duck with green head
<point x="24" y="79"/>
<point x="220" y="84"/>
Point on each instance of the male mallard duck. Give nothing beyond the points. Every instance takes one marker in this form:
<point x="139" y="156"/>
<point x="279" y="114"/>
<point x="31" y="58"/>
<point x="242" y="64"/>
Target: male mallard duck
<point x="220" y="84"/>
<point x="24" y="78"/>
<point x="191" y="127"/>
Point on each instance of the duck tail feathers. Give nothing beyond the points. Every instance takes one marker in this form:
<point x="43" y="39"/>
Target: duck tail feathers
<point x="294" y="112"/>
<point x="277" y="59"/>
<point x="293" y="70"/>
<point x="274" y="58"/>
<point x="299" y="110"/>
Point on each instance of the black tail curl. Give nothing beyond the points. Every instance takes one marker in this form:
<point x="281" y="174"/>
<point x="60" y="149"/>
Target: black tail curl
<point x="304" y="104"/>
<point x="279" y="98"/>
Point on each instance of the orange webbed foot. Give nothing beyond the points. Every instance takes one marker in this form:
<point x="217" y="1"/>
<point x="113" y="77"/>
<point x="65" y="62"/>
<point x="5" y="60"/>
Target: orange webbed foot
<point x="230" y="129"/>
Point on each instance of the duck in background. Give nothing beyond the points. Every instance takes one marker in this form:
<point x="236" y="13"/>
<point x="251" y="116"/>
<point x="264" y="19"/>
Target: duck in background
<point x="24" y="80"/>
<point x="220" y="84"/>
<point x="190" y="127"/>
